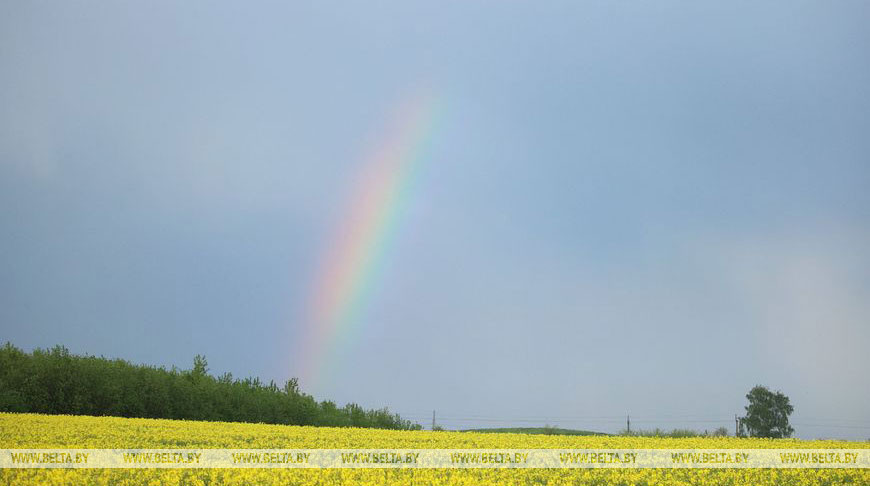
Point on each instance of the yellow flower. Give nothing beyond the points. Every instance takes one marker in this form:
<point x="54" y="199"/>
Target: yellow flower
<point x="19" y="431"/>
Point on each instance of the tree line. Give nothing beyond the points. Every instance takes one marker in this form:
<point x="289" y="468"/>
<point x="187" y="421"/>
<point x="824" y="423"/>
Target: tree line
<point x="56" y="382"/>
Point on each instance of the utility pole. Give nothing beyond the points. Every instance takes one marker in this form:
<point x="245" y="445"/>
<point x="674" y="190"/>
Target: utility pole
<point x="433" y="419"/>
<point x="736" y="426"/>
<point x="628" y="424"/>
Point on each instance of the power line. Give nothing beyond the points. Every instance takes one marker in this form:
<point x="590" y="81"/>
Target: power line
<point x="612" y="419"/>
<point x="573" y="417"/>
<point x="832" y="425"/>
<point x="476" y="419"/>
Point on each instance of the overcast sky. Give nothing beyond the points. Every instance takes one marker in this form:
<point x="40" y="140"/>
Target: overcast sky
<point x="626" y="207"/>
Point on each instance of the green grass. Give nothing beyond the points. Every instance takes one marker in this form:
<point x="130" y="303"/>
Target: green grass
<point x="534" y="430"/>
<point x="676" y="433"/>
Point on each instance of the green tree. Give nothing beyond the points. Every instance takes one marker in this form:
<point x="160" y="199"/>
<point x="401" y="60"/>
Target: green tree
<point x="56" y="381"/>
<point x="767" y="414"/>
<point x="200" y="365"/>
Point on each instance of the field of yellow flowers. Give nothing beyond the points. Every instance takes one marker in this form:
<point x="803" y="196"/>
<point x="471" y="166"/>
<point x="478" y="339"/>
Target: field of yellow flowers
<point x="20" y="431"/>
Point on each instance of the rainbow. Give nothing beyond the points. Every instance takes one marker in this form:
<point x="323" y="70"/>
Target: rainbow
<point x="344" y="280"/>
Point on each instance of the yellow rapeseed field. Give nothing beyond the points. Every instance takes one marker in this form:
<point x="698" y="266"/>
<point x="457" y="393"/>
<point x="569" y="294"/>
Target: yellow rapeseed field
<point x="18" y="431"/>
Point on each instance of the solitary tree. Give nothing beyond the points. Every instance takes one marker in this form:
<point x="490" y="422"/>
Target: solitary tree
<point x="767" y="414"/>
